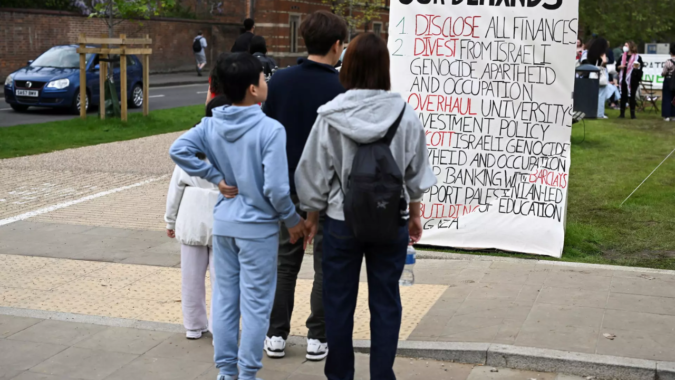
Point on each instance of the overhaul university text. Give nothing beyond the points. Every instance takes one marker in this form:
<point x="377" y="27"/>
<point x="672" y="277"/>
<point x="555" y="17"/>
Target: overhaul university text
<point x="492" y="83"/>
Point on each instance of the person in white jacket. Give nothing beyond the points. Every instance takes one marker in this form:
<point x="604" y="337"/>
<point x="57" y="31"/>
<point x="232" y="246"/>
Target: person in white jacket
<point x="189" y="218"/>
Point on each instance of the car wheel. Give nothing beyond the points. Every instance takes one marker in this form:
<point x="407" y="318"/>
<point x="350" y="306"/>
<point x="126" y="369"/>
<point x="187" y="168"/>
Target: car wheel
<point x="19" y="107"/>
<point x="136" y="100"/>
<point x="75" y="108"/>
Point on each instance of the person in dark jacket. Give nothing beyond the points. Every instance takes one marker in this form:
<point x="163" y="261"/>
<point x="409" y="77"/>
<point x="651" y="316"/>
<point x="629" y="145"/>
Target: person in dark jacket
<point x="295" y="94"/>
<point x="259" y="50"/>
<point x="243" y="42"/>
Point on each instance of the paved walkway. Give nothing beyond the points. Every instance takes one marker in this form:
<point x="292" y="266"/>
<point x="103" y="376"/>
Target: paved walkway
<point x="35" y="349"/>
<point x="103" y="207"/>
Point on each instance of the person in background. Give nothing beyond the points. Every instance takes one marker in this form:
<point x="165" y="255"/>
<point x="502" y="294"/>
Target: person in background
<point x="295" y="95"/>
<point x="668" y="102"/>
<point x="246" y="150"/>
<point x="199" y="48"/>
<point x="580" y="48"/>
<point x="215" y="82"/>
<point x="596" y="56"/>
<point x="243" y="42"/>
<point x="362" y="115"/>
<point x="189" y="219"/>
<point x="630" y="74"/>
<point x="259" y="50"/>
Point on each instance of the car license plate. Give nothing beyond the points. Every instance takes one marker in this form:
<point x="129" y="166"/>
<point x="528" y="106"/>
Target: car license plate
<point x="33" y="93"/>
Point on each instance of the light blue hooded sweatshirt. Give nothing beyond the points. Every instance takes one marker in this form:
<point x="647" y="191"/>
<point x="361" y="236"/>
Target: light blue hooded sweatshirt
<point x="248" y="150"/>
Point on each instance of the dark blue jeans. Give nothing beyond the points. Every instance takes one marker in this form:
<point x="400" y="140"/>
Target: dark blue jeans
<point x="342" y="257"/>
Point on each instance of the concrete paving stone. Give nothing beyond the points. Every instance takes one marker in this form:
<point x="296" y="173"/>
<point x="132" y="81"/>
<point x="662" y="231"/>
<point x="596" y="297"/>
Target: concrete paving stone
<point x="119" y="339"/>
<point x="437" y="271"/>
<point x="28" y="375"/>
<point x="10" y="324"/>
<point x="496" y="291"/>
<point x="304" y="376"/>
<point x="558" y="315"/>
<point x="514" y="265"/>
<point x="571" y="338"/>
<point x="663" y="276"/>
<point x="629" y="320"/>
<point x="574" y="363"/>
<point x="508" y="332"/>
<point x="475" y="335"/>
<point x="570" y="377"/>
<point x="18" y="356"/>
<point x="643" y="286"/>
<point x="149" y="368"/>
<point x="154" y="259"/>
<point x="460" y="289"/>
<point x="82" y="363"/>
<point x="295" y="356"/>
<point x="576" y="279"/>
<point x="528" y="295"/>
<point x="177" y="346"/>
<point x="491" y="373"/>
<point x="573" y="297"/>
<point x="446" y="304"/>
<point x="264" y="373"/>
<point x="57" y="332"/>
<point x="637" y="344"/>
<point x="641" y="303"/>
<point x="503" y="308"/>
<point x="413" y="369"/>
<point x="564" y="267"/>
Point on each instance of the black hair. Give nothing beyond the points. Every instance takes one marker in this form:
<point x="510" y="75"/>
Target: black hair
<point x="216" y="86"/>
<point x="321" y="30"/>
<point x="672" y="49"/>
<point x="249" y="24"/>
<point x="237" y="73"/>
<point x="258" y="45"/>
<point x="199" y="33"/>
<point x="596" y="50"/>
<point x="218" y="101"/>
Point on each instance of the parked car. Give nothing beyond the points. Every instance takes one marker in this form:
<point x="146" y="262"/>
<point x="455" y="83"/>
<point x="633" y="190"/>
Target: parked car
<point x="53" y="80"/>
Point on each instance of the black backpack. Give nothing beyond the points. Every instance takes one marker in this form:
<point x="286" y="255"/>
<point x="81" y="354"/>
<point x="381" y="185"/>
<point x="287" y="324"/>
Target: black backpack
<point x="197" y="45"/>
<point x="374" y="198"/>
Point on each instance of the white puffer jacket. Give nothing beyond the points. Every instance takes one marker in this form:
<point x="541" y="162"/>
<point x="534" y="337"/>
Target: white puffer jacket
<point x="189" y="208"/>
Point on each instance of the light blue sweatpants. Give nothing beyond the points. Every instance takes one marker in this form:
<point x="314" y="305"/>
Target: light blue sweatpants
<point x="246" y="278"/>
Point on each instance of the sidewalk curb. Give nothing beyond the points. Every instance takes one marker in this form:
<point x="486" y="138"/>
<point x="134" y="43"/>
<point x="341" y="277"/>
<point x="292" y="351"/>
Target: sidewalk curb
<point x="495" y="355"/>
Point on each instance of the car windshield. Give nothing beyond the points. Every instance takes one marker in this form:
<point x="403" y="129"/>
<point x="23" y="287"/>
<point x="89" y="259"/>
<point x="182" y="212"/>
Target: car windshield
<point x="61" y="57"/>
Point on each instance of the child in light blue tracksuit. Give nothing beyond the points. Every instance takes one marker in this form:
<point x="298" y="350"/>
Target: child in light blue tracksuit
<point x="246" y="151"/>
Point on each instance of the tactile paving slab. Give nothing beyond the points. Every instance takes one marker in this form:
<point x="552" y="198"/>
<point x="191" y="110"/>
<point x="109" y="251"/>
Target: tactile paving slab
<point x="154" y="293"/>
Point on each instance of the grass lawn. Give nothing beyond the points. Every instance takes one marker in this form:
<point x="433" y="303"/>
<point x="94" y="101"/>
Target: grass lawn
<point x="25" y="140"/>
<point x="615" y="157"/>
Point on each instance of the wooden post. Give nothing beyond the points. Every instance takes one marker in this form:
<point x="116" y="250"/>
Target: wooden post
<point x="146" y="81"/>
<point x="123" y="79"/>
<point x="83" y="82"/>
<point x="102" y="76"/>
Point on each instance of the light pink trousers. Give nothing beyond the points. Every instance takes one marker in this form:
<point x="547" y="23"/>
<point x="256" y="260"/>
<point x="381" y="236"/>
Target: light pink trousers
<point x="194" y="261"/>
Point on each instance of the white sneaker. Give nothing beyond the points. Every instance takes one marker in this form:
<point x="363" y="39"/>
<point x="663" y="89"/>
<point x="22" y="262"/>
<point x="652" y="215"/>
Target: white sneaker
<point x="316" y="350"/>
<point x="226" y="377"/>
<point x="275" y="347"/>
<point x="195" y="334"/>
<point x="666" y="119"/>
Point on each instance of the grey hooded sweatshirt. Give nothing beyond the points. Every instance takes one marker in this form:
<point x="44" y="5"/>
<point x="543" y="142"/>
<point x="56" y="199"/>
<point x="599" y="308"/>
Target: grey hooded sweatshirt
<point x="359" y="117"/>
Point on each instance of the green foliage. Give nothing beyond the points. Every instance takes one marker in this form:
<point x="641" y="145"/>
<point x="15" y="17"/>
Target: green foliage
<point x="622" y="20"/>
<point x="116" y="11"/>
<point x="23" y="140"/>
<point x="179" y="10"/>
<point x="355" y="12"/>
<point x="54" y="5"/>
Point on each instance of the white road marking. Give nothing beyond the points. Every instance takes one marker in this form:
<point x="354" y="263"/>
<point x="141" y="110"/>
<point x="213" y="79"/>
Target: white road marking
<point x="202" y="92"/>
<point x="159" y="88"/>
<point x="58" y="206"/>
<point x="155" y="96"/>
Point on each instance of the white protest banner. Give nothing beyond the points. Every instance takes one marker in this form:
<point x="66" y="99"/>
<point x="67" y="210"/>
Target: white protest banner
<point x="492" y="82"/>
<point x="654" y="68"/>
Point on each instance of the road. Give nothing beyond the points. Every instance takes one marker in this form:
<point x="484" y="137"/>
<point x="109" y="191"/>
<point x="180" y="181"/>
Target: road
<point x="160" y="98"/>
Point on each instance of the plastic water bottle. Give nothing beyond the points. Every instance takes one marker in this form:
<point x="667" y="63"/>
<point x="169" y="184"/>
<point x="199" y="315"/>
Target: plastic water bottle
<point x="408" y="276"/>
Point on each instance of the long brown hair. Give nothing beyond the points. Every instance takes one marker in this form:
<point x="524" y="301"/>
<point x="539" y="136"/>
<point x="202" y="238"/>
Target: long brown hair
<point x="366" y="64"/>
<point x="632" y="47"/>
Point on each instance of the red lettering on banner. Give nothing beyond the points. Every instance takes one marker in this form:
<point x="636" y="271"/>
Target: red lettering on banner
<point x="441" y="103"/>
<point x="550" y="178"/>
<point x="443" y="211"/>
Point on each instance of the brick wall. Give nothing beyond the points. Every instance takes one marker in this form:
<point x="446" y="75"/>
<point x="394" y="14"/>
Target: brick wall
<point x="25" y="34"/>
<point x="272" y="18"/>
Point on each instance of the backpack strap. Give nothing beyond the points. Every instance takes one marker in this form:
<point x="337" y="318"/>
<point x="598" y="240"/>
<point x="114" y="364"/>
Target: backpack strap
<point x="394" y="127"/>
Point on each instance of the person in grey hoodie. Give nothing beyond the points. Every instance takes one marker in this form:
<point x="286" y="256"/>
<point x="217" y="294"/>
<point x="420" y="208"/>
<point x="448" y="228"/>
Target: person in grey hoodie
<point x="245" y="150"/>
<point x="362" y="115"/>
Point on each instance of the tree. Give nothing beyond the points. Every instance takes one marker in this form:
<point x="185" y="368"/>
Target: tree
<point x="355" y="12"/>
<point x="114" y="12"/>
<point x="623" y="20"/>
